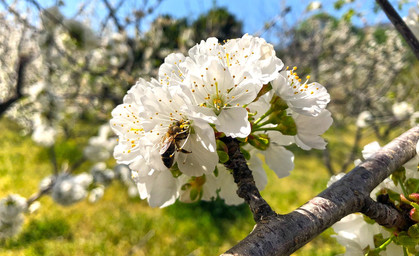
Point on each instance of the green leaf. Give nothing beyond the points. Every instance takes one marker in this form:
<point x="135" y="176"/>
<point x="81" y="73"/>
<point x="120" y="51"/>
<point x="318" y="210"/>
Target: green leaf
<point x="399" y="175"/>
<point x="195" y="194"/>
<point x="348" y="15"/>
<point x="245" y="153"/>
<point x="412" y="185"/>
<point x="339" y="4"/>
<point x="216" y="171"/>
<point x="222" y="156"/>
<point x="405" y="240"/>
<point x="259" y="141"/>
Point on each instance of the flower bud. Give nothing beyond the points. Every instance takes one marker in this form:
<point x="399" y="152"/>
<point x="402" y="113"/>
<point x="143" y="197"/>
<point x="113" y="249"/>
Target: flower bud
<point x="414" y="215"/>
<point x="414" y="197"/>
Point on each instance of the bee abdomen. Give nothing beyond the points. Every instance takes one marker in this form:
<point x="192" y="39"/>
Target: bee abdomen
<point x="168" y="156"/>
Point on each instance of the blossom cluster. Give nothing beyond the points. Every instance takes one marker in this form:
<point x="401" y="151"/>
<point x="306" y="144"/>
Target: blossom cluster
<point x="169" y="128"/>
<point x="12" y="208"/>
<point x="361" y="236"/>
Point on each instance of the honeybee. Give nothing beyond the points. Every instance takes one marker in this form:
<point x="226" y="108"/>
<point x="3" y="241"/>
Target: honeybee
<point x="176" y="133"/>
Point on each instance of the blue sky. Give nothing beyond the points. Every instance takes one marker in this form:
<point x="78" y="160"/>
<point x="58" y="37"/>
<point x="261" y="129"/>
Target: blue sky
<point x="253" y="13"/>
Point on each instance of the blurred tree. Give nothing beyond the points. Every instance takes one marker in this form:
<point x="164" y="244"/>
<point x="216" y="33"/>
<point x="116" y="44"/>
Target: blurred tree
<point x="218" y="22"/>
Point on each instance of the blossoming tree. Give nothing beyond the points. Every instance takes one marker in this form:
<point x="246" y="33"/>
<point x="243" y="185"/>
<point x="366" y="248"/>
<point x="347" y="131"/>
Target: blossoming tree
<point x="194" y="132"/>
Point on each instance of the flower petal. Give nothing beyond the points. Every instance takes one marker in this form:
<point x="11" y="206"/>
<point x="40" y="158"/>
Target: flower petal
<point x="234" y="122"/>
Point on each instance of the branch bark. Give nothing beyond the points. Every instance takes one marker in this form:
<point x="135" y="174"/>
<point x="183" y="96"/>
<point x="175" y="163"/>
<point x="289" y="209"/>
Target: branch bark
<point x="284" y="234"/>
<point x="246" y="184"/>
<point x="401" y="26"/>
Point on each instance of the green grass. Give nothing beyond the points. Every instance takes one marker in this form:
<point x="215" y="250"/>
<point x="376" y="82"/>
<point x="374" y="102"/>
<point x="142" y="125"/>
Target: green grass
<point x="118" y="225"/>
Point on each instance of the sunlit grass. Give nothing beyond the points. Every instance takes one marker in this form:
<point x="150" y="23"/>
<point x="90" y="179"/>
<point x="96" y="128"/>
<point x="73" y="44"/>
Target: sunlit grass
<point x="118" y="225"/>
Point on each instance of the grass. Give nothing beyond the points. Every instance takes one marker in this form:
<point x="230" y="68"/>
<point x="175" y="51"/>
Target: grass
<point x="118" y="225"/>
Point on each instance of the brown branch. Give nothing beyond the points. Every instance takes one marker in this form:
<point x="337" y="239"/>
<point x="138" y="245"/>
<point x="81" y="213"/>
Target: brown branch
<point x="327" y="161"/>
<point x="385" y="215"/>
<point x="112" y="14"/>
<point x="22" y="63"/>
<point x="354" y="151"/>
<point x="41" y="192"/>
<point x="246" y="184"/>
<point x="400" y="25"/>
<point x="284" y="234"/>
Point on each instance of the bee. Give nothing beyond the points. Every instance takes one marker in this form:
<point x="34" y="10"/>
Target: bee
<point x="177" y="132"/>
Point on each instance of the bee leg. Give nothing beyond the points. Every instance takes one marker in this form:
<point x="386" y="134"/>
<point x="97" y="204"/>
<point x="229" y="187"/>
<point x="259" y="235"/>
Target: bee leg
<point x="184" y="151"/>
<point x="181" y="149"/>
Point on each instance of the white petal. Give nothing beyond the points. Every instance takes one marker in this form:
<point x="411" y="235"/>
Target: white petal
<point x="280" y="160"/>
<point x="233" y="122"/>
<point x="164" y="190"/>
<point x="259" y="174"/>
<point x="210" y="187"/>
<point x="228" y="190"/>
<point x="309" y="129"/>
<point x="201" y="160"/>
<point x="370" y="149"/>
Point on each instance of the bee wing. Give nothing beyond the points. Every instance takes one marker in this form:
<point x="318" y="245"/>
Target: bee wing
<point x="166" y="144"/>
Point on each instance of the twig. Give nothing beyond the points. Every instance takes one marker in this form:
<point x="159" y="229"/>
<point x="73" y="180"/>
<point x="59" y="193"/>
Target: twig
<point x="327" y="161"/>
<point x="112" y="14"/>
<point x="41" y="193"/>
<point x="354" y="151"/>
<point x="282" y="235"/>
<point x="401" y="26"/>
<point x="244" y="179"/>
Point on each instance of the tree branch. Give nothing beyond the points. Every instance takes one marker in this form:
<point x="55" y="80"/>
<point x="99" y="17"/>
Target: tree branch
<point x="246" y="184"/>
<point x="400" y="25"/>
<point x="23" y="61"/>
<point x="284" y="234"/>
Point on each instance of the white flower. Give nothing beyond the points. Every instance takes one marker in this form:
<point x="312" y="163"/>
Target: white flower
<point x="101" y="174"/>
<point x="133" y="191"/>
<point x="279" y="159"/>
<point x="412" y="20"/>
<point x="44" y="135"/>
<point x="363" y="119"/>
<point x="414" y="119"/>
<point x="96" y="194"/>
<point x="228" y="189"/>
<point x="304" y="98"/>
<point x="335" y="178"/>
<point x="160" y="188"/>
<point x="101" y="146"/>
<point x="249" y="53"/>
<point x="402" y="110"/>
<point x="224" y="78"/>
<point x="309" y="129"/>
<point x="314" y="6"/>
<point x="123" y="173"/>
<point x="11" y="215"/>
<point x="412" y="166"/>
<point x="69" y="189"/>
<point x="11" y="206"/>
<point x="143" y="122"/>
<point x="34" y="207"/>
<point x="355" y="234"/>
